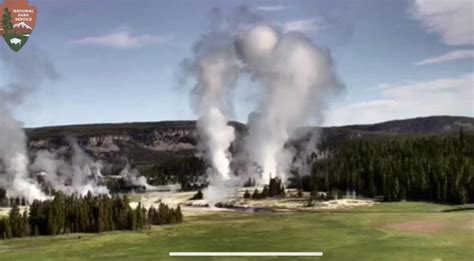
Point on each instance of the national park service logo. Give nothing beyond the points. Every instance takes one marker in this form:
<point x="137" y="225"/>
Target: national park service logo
<point x="18" y="20"/>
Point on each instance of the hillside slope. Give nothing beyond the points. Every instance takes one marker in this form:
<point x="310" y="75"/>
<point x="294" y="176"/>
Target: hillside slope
<point x="149" y="144"/>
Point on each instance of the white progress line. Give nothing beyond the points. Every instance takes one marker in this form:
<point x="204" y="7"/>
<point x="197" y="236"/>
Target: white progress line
<point x="247" y="254"/>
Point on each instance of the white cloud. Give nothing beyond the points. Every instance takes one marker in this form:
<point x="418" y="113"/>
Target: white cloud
<point x="122" y="39"/>
<point x="271" y="8"/>
<point x="304" y="25"/>
<point x="448" y="57"/>
<point x="446" y="96"/>
<point x="451" y="19"/>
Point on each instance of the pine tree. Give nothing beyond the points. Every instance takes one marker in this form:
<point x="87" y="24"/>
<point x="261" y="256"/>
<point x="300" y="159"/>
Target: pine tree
<point x="179" y="215"/>
<point x="273" y="187"/>
<point x="198" y="196"/>
<point x="256" y="194"/>
<point x="101" y="227"/>
<point x="265" y="192"/>
<point x="5" y="228"/>
<point x="51" y="221"/>
<point x="16" y="221"/>
<point x="163" y="214"/>
<point x="139" y="217"/>
<point x="7" y="20"/>
<point x="25" y="226"/>
<point x="172" y="217"/>
<point x="247" y="194"/>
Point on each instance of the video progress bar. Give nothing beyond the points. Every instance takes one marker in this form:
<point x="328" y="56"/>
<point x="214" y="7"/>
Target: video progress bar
<point x="245" y="254"/>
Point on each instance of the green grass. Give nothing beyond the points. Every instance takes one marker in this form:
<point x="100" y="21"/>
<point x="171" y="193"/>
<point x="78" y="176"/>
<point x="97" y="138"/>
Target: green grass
<point x="357" y="234"/>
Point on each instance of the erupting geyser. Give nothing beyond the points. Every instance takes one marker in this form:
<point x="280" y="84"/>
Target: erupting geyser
<point x="79" y="175"/>
<point x="296" y="78"/>
<point x="214" y="68"/>
<point x="22" y="73"/>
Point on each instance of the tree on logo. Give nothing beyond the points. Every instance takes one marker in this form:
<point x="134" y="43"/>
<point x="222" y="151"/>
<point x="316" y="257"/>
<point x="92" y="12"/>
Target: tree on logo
<point x="7" y="20"/>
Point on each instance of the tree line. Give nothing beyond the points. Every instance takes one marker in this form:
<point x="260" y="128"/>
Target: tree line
<point x="7" y="202"/>
<point x="183" y="170"/>
<point x="274" y="189"/>
<point x="89" y="214"/>
<point x="430" y="168"/>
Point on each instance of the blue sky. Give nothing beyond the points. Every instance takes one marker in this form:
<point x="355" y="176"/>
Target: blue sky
<point x="117" y="59"/>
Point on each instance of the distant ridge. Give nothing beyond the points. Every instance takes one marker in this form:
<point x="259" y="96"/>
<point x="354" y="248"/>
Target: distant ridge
<point x="148" y="144"/>
<point x="419" y="125"/>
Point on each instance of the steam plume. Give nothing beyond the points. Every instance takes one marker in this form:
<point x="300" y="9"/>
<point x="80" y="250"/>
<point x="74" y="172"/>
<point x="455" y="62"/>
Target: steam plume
<point x="23" y="73"/>
<point x="79" y="175"/>
<point x="213" y="67"/>
<point x="132" y="176"/>
<point x="296" y="76"/>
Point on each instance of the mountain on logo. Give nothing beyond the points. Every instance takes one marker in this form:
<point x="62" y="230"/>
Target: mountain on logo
<point x="22" y="25"/>
<point x="22" y="28"/>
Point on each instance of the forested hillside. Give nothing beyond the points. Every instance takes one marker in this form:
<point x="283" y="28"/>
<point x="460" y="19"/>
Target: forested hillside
<point x="432" y="168"/>
<point x="416" y="159"/>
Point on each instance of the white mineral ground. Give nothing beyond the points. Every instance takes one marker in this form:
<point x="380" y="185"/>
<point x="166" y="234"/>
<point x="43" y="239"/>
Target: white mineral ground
<point x="189" y="207"/>
<point x="284" y="204"/>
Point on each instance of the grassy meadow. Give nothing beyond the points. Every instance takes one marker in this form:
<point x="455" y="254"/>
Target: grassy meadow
<point x="387" y="231"/>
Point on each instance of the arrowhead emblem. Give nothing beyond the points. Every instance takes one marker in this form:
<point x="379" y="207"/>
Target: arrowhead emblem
<point x="18" y="19"/>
